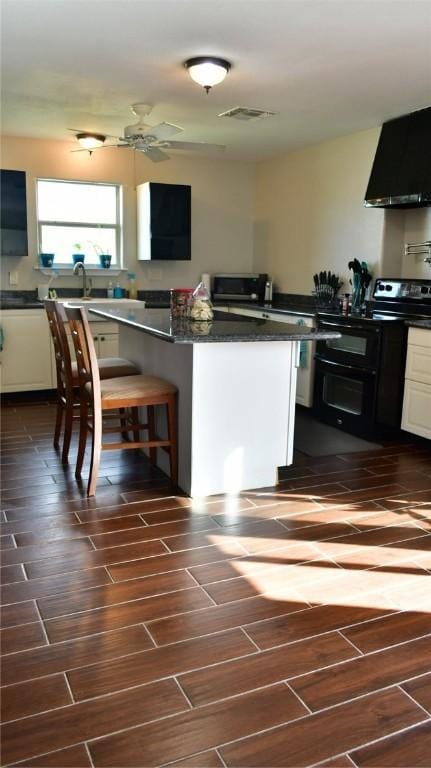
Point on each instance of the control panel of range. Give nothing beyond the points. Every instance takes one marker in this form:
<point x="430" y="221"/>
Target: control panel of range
<point x="395" y="290"/>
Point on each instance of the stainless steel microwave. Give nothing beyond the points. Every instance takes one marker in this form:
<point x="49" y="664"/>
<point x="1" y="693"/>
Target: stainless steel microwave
<point x="239" y="287"/>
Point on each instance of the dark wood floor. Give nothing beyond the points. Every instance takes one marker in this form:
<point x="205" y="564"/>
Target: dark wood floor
<point x="286" y="627"/>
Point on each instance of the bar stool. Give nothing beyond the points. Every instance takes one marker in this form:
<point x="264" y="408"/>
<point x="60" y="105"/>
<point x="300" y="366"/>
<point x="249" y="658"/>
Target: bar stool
<point x="67" y="374"/>
<point x="98" y="396"/>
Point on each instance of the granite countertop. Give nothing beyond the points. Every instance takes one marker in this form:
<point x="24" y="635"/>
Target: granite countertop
<point x="28" y="299"/>
<point x="275" y="307"/>
<point x="225" y="327"/>
<point x="419" y="324"/>
<point x="13" y="302"/>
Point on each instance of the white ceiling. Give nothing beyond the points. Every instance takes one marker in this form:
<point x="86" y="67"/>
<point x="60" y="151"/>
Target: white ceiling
<point x="328" y="67"/>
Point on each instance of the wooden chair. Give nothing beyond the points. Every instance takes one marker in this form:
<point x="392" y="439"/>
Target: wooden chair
<point x="67" y="375"/>
<point x="98" y="396"/>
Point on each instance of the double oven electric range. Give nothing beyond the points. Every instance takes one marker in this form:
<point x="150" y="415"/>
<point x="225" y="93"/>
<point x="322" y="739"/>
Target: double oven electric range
<point x="359" y="377"/>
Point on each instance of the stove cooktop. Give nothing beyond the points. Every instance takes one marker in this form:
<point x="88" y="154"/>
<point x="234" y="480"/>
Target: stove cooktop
<point x="395" y="300"/>
<point x="402" y="297"/>
<point x="404" y="290"/>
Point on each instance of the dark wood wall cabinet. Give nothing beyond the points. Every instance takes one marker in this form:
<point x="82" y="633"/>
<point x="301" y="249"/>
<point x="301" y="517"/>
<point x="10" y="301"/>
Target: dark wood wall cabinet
<point x="13" y="233"/>
<point x="164" y="222"/>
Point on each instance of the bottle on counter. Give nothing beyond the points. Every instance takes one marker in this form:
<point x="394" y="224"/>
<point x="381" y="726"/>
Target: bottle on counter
<point x="345" y="304"/>
<point x="110" y="291"/>
<point x="118" y="292"/>
<point x="133" y="291"/>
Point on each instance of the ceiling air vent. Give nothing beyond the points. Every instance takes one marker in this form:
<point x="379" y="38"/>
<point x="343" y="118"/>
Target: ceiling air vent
<point x="247" y="113"/>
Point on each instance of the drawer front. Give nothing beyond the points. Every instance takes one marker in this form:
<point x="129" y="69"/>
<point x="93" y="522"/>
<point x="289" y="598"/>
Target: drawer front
<point x="420" y="336"/>
<point x="418" y="367"/>
<point x="103" y="326"/>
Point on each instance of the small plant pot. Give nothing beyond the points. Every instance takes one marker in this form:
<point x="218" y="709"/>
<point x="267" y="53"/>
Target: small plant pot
<point x="105" y="260"/>
<point x="46" y="259"/>
<point x="78" y="257"/>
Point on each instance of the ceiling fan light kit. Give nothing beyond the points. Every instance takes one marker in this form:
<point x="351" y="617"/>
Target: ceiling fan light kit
<point x="91" y="140"/>
<point x="207" y="71"/>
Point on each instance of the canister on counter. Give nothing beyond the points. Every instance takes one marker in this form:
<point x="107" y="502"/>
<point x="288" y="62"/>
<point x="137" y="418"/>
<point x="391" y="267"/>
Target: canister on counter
<point x="201" y="307"/>
<point x="180" y="301"/>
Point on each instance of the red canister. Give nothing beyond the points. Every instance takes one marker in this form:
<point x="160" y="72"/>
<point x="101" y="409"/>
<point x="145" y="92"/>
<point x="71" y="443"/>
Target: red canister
<point x="180" y="301"/>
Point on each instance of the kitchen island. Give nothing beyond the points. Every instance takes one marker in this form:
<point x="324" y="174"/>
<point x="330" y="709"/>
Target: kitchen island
<point x="236" y="378"/>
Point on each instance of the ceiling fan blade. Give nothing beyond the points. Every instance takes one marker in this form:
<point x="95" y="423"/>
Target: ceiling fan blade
<point x="155" y="155"/>
<point x="194" y="145"/>
<point x="160" y="132"/>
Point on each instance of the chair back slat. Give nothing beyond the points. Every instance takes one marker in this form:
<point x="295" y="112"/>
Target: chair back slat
<point x="63" y="362"/>
<point x="86" y="358"/>
<point x="61" y="326"/>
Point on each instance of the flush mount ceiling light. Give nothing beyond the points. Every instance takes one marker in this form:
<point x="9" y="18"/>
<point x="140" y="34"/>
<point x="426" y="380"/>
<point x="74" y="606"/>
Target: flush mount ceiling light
<point x="207" y="70"/>
<point x="91" y="140"/>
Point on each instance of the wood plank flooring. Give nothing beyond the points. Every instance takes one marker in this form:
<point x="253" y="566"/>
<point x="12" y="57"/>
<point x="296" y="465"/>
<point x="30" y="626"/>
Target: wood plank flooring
<point x="289" y="626"/>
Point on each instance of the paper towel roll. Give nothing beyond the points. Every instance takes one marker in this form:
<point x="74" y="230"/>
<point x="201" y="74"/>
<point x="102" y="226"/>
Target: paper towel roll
<point x="206" y="279"/>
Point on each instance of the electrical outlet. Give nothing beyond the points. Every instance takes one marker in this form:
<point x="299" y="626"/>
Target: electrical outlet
<point x="13" y="277"/>
<point x="155" y="274"/>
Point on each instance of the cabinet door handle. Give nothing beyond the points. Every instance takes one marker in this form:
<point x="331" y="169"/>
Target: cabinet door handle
<point x="102" y="338"/>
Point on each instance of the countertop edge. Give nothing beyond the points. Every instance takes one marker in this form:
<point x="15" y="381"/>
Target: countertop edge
<point x="296" y="335"/>
<point x="426" y="324"/>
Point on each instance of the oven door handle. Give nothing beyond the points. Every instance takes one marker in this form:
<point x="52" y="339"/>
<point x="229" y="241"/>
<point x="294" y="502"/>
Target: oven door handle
<point x="342" y="326"/>
<point x="369" y="371"/>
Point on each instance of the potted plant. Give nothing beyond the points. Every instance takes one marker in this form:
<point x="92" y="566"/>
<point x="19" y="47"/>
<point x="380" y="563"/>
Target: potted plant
<point x="105" y="260"/>
<point x="78" y="256"/>
<point x="46" y="259"/>
<point x="104" y="256"/>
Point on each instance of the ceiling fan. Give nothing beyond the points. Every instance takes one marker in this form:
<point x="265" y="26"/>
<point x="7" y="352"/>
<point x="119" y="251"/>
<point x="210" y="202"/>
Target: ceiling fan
<point x="151" y="140"/>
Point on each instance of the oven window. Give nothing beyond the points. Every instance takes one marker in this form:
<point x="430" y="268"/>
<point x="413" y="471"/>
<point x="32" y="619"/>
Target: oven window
<point x="354" y="345"/>
<point x="342" y="393"/>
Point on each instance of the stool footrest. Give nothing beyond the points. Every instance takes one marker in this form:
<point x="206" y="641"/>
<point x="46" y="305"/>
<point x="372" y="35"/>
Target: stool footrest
<point x="140" y="444"/>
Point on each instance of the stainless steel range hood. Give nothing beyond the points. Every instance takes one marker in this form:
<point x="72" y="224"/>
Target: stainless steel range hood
<point x="401" y="172"/>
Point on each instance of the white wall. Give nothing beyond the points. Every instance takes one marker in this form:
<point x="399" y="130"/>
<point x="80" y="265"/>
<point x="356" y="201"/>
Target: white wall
<point x="222" y="207"/>
<point x="417" y="230"/>
<point x="309" y="216"/>
<point x="309" y="212"/>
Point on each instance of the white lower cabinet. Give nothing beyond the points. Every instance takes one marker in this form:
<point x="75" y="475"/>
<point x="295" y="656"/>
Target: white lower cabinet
<point x="105" y="336"/>
<point x="27" y="358"/>
<point x="106" y="344"/>
<point x="305" y="372"/>
<point x="417" y="391"/>
<point x="26" y="354"/>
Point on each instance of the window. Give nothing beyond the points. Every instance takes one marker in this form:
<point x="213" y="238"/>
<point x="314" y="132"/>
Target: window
<point x="77" y="213"/>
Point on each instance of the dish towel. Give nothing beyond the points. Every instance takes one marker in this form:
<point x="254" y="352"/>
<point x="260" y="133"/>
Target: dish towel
<point x="303" y="348"/>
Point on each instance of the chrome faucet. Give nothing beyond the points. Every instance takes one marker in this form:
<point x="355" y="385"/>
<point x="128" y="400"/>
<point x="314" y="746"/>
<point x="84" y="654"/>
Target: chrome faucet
<point x="85" y="290"/>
